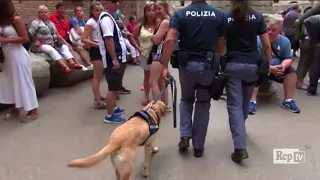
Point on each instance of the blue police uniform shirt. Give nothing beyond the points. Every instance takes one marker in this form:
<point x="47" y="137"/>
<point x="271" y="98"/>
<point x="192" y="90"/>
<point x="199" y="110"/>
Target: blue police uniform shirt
<point x="75" y="22"/>
<point x="199" y="26"/>
<point x="283" y="47"/>
<point x="242" y="46"/>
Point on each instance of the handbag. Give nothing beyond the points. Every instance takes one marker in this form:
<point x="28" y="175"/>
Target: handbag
<point x="57" y="41"/>
<point x="219" y="81"/>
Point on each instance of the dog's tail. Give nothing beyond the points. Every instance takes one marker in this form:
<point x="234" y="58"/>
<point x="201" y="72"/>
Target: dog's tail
<point x="94" y="159"/>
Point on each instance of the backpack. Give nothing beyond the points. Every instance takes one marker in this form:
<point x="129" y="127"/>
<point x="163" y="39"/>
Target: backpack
<point x="312" y="26"/>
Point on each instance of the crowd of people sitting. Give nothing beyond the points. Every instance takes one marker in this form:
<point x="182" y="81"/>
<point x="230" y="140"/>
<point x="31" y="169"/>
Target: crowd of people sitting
<point x="59" y="37"/>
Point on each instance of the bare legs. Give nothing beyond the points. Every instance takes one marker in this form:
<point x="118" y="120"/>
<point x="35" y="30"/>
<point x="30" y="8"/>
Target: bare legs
<point x="146" y="87"/>
<point x="97" y="75"/>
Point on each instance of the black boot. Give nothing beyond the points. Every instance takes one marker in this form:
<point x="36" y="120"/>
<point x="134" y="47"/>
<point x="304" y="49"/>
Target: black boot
<point x="239" y="154"/>
<point x="198" y="152"/>
<point x="184" y="143"/>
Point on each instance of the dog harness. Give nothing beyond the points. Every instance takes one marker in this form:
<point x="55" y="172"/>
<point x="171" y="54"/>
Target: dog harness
<point x="153" y="126"/>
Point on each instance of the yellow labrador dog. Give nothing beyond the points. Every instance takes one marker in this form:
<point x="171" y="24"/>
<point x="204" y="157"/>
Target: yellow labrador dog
<point x="139" y="130"/>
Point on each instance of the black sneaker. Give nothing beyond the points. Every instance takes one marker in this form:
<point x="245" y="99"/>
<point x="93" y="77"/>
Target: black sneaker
<point x="239" y="154"/>
<point x="184" y="143"/>
<point x="124" y="91"/>
<point x="311" y="91"/>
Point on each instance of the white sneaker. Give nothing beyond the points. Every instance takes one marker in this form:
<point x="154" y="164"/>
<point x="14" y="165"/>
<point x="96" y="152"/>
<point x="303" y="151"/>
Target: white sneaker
<point x="90" y="67"/>
<point x="84" y="68"/>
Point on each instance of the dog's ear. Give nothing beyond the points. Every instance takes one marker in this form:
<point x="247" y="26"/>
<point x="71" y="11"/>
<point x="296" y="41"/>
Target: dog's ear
<point x="161" y="108"/>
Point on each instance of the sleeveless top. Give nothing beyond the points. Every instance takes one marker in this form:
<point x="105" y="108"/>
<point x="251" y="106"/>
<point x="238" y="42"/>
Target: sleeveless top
<point x="156" y="50"/>
<point x="145" y="41"/>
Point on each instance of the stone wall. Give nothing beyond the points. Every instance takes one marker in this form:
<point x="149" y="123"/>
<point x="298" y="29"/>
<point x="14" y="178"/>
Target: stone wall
<point x="27" y="9"/>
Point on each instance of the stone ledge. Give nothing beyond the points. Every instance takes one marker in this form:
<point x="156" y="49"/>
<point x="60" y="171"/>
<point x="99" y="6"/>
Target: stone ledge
<point x="59" y="78"/>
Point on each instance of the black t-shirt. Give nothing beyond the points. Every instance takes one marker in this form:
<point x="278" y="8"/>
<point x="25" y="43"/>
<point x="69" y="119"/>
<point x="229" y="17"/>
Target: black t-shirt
<point x="199" y="26"/>
<point x="242" y="44"/>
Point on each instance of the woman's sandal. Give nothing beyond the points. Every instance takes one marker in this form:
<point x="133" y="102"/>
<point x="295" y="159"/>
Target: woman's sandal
<point x="11" y="115"/>
<point x="75" y="66"/>
<point x="168" y="108"/>
<point x="144" y="102"/>
<point x="302" y="87"/>
<point x="29" y="117"/>
<point x="67" y="70"/>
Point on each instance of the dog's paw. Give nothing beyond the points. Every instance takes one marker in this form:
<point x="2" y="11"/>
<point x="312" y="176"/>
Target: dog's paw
<point x="155" y="150"/>
<point x="145" y="173"/>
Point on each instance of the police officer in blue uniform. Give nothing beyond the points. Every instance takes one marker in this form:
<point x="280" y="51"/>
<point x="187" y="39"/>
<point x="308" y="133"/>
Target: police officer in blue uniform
<point x="201" y="33"/>
<point x="243" y="60"/>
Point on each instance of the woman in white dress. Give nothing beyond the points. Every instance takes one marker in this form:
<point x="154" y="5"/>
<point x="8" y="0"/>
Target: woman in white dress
<point x="16" y="83"/>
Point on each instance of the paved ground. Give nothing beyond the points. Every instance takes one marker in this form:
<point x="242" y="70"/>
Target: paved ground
<point x="69" y="128"/>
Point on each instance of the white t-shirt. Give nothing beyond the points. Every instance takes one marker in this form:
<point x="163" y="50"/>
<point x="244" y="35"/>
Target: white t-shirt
<point x="107" y="26"/>
<point x="94" y="36"/>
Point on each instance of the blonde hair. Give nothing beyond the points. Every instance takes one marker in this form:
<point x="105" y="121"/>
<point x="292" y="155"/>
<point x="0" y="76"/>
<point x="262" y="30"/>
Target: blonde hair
<point x="93" y="5"/>
<point x="42" y="7"/>
<point x="165" y="6"/>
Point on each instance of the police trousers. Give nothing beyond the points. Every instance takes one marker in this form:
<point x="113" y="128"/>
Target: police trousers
<point x="314" y="73"/>
<point x="239" y="91"/>
<point x="191" y="76"/>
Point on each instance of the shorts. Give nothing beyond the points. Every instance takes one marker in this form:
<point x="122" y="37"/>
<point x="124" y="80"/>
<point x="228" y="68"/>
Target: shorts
<point x="277" y="79"/>
<point x="144" y="63"/>
<point x="114" y="77"/>
<point x="94" y="53"/>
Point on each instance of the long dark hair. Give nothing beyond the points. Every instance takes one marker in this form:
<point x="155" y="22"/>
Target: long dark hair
<point x="240" y="11"/>
<point x="7" y="11"/>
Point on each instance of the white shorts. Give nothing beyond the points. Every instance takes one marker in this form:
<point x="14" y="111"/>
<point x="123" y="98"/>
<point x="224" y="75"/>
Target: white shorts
<point x="54" y="53"/>
<point x="143" y="62"/>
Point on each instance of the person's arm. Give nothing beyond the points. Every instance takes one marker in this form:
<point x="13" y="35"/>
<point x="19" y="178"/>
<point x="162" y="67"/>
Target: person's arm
<point x="286" y="53"/>
<point x="57" y="23"/>
<point x="107" y="26"/>
<point x="58" y="35"/>
<point x="32" y="29"/>
<point x="265" y="41"/>
<point x="130" y="28"/>
<point x="163" y="28"/>
<point x="136" y="32"/>
<point x="85" y="36"/>
<point x="21" y="31"/>
<point x="135" y="36"/>
<point x="75" y="25"/>
<point x="169" y="41"/>
<point x="221" y="39"/>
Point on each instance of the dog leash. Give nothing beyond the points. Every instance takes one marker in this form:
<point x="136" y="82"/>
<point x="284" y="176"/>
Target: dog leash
<point x="173" y="86"/>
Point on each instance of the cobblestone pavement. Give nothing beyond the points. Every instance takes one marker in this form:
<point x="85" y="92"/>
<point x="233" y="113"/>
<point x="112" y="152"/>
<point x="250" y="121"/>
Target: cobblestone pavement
<point x="70" y="128"/>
